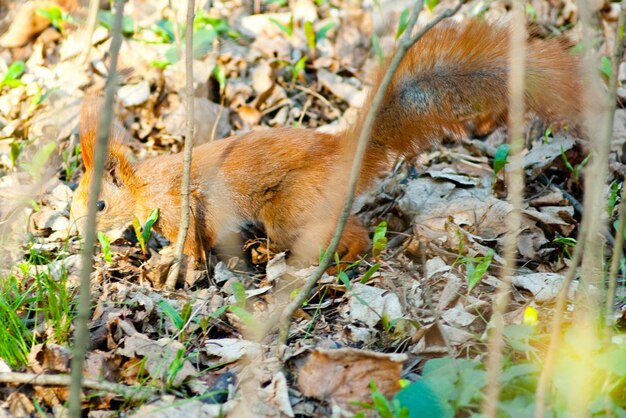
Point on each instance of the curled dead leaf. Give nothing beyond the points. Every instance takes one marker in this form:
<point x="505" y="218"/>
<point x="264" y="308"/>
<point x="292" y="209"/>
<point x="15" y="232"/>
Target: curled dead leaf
<point x="343" y="376"/>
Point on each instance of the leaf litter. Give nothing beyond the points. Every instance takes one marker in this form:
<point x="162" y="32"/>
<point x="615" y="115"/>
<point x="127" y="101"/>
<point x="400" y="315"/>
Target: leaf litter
<point x="206" y="349"/>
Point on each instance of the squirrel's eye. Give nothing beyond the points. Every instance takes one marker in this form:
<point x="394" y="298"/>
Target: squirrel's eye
<point x="100" y="205"/>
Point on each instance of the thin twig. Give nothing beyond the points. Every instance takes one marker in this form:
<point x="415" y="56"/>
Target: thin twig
<point x="405" y="43"/>
<point x="172" y="276"/>
<point x="598" y="119"/>
<point x="515" y="179"/>
<point x="217" y="120"/>
<point x="128" y="392"/>
<point x="618" y="53"/>
<point x="177" y="41"/>
<point x="615" y="261"/>
<point x="555" y="328"/>
<point x="92" y="19"/>
<point x="430" y="305"/>
<point x="81" y="339"/>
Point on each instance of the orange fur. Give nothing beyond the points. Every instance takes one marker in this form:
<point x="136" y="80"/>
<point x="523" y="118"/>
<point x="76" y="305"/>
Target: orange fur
<point x="293" y="181"/>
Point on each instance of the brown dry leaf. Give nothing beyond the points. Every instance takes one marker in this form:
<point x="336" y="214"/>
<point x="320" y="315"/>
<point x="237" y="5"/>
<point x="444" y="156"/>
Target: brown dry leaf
<point x="343" y="376"/>
<point x="158" y="354"/>
<point x="27" y="22"/>
<point x="45" y="358"/>
<point x="20" y="405"/>
<point x="433" y="342"/>
<point x="277" y="395"/>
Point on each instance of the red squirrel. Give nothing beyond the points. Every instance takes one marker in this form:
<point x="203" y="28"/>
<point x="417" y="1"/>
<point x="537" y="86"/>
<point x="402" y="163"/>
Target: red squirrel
<point x="292" y="182"/>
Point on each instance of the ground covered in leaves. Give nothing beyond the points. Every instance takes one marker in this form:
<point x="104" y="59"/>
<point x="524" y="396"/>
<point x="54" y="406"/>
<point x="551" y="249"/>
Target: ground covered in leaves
<point x="438" y="222"/>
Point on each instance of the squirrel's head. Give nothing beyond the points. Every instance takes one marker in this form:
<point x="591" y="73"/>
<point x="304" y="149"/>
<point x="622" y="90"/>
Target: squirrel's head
<point x="116" y="202"/>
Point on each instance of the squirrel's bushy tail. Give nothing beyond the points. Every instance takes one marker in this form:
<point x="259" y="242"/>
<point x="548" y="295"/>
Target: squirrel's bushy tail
<point x="456" y="76"/>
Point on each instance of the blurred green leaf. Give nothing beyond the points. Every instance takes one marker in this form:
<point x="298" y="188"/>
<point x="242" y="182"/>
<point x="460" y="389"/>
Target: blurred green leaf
<point x="106" y="19"/>
<point x="404" y="21"/>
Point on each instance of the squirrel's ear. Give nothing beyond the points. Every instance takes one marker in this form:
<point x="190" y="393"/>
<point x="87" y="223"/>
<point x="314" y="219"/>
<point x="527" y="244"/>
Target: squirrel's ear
<point x="117" y="166"/>
<point x="116" y="163"/>
<point x="88" y="122"/>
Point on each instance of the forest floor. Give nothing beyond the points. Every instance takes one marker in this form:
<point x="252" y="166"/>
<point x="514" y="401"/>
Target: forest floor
<point x="419" y="311"/>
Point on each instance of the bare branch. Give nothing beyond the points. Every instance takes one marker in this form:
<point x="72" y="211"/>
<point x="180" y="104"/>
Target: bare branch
<point x="128" y="392"/>
<point x="92" y="19"/>
<point x="618" y="53"/>
<point x="172" y="276"/>
<point x="557" y="323"/>
<point x="81" y="339"/>
<point x="599" y="119"/>
<point x="515" y="187"/>
<point x="405" y="43"/>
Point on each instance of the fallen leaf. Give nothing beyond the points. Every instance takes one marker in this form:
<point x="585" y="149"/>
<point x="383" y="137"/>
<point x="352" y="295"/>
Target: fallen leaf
<point x="343" y="375"/>
<point x="368" y="304"/>
<point x="229" y="350"/>
<point x="544" y="286"/>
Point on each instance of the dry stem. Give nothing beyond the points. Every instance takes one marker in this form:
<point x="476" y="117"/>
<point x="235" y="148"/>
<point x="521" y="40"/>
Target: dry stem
<point x="92" y="20"/>
<point x="172" y="276"/>
<point x="515" y="187"/>
<point x="405" y="43"/>
<point x="557" y="322"/>
<point x="129" y="392"/>
<point x="598" y="119"/>
<point x="618" y="52"/>
<point x="81" y="339"/>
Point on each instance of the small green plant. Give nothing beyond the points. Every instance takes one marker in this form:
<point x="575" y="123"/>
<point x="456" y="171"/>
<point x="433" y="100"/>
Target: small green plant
<point x="379" y="241"/>
<point x="378" y="50"/>
<point x="206" y="30"/>
<point x="39" y="160"/>
<point x="431" y="4"/>
<point x="144" y="233"/>
<point x="14" y="334"/>
<point x="71" y="161"/>
<point x="240" y="294"/>
<point x="174" y="367"/>
<point x="41" y="96"/>
<point x="564" y="244"/>
<point x="279" y="3"/>
<point x="106" y="18"/>
<point x="11" y="78"/>
<point x="547" y="135"/>
<point x="500" y="159"/>
<point x="309" y="34"/>
<point x="383" y="406"/>
<point x="313" y="37"/>
<point x="574" y="170"/>
<point x="448" y="387"/>
<point x="105" y="244"/>
<point x="403" y="23"/>
<point x="323" y="31"/>
<point x="605" y="66"/>
<point x="58" y="18"/>
<point x="286" y="29"/>
<point x="297" y="70"/>
<point x="531" y="13"/>
<point x="16" y="148"/>
<point x="613" y="196"/>
<point x="475" y="267"/>
<point x="220" y="76"/>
